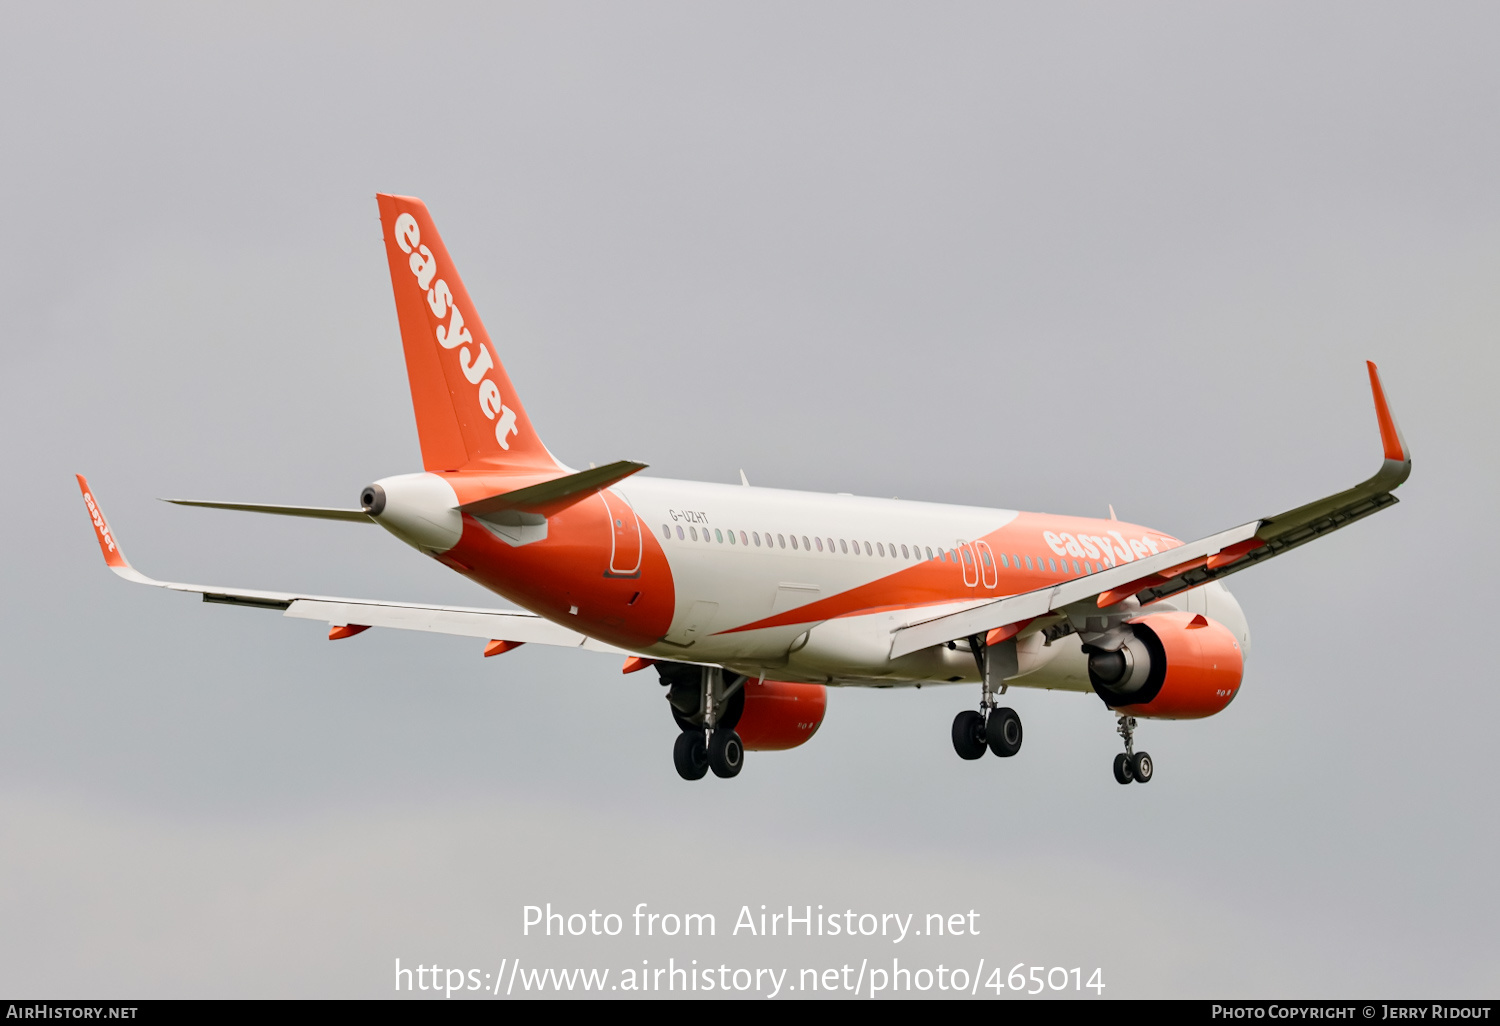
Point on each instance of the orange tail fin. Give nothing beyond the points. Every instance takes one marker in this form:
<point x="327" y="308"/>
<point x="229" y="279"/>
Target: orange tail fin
<point x="468" y="414"/>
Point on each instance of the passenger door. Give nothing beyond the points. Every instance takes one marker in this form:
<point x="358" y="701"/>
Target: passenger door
<point x="625" y="536"/>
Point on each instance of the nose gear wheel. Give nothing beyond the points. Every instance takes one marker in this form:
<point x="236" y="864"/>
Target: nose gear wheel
<point x="1131" y="766"/>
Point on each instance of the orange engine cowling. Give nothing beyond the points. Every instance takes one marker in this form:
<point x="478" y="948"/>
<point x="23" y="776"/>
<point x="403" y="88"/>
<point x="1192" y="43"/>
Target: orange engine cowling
<point x="778" y="715"/>
<point x="1176" y="666"/>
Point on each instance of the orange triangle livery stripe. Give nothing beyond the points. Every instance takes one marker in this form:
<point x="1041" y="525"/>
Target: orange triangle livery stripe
<point x="932" y="583"/>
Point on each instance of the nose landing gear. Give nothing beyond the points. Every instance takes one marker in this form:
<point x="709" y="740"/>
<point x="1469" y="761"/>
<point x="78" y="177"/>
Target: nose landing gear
<point x="1131" y="765"/>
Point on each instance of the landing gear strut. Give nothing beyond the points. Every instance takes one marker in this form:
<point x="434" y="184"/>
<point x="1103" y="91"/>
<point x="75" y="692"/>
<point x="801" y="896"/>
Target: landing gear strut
<point x="708" y="741"/>
<point x="1131" y="765"/>
<point x="997" y="729"/>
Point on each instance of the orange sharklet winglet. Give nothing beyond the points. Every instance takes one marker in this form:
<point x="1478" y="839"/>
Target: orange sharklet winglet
<point x="634" y="664"/>
<point x="337" y="632"/>
<point x="1390" y="435"/>
<point x="495" y="648"/>
<point x="107" y="544"/>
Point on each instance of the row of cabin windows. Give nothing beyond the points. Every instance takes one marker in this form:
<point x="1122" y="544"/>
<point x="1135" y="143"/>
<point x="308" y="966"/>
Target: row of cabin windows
<point x="844" y="545"/>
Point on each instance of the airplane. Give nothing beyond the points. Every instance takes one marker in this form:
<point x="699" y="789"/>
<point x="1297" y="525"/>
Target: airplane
<point x="750" y="602"/>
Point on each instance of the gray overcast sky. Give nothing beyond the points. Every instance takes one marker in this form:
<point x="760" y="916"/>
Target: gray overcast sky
<point x="1038" y="256"/>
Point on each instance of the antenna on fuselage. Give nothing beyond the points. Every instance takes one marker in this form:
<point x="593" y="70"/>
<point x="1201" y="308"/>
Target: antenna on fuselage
<point x="1112" y="512"/>
<point x="743" y="479"/>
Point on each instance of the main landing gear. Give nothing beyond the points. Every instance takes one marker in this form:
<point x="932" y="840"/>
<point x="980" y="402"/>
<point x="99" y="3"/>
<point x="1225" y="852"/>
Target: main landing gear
<point x="991" y="728"/>
<point x="706" y="711"/>
<point x="1131" y="765"/>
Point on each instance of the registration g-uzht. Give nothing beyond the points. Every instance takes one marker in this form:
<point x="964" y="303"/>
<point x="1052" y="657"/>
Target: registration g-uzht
<point x="594" y="923"/>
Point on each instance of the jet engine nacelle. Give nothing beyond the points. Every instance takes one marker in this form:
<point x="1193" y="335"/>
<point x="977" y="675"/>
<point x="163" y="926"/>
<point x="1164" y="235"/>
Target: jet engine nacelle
<point x="1176" y="666"/>
<point x="779" y="715"/>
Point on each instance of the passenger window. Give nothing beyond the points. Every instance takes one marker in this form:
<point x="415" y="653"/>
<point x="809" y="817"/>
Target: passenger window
<point x="830" y="545"/>
<point x="743" y="539"/>
<point x="987" y="562"/>
<point x="782" y="540"/>
<point x="679" y="532"/>
<point x="880" y="548"/>
<point x="718" y="535"/>
<point x="968" y="559"/>
<point x="904" y="553"/>
<point x="1003" y="561"/>
<point x="1075" y="567"/>
<point x="794" y="541"/>
<point x="1028" y="562"/>
<point x="666" y="532"/>
<point x="893" y="550"/>
<point x="756" y="536"/>
<point x="805" y="545"/>
<point x="843" y="546"/>
<point x="867" y="549"/>
<point x="731" y="537"/>
<point x="1052" y="565"/>
<point x="820" y="543"/>
<point x="693" y="532"/>
<point x="929" y="552"/>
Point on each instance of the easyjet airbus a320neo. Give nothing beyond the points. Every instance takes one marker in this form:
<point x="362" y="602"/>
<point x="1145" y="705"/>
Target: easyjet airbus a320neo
<point x="749" y="602"/>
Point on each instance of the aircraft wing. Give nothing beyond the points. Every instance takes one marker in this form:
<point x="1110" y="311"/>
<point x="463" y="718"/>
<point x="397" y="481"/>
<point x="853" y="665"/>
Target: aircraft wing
<point x="1187" y="566"/>
<point x="514" y="626"/>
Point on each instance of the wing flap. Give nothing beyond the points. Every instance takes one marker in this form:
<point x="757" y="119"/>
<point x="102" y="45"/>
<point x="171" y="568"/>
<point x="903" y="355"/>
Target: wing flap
<point x="493" y="624"/>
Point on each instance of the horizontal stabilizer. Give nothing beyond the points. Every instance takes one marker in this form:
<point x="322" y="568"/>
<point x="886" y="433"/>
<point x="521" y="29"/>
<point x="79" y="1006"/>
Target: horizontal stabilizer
<point x="314" y="512"/>
<point x="556" y="495"/>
